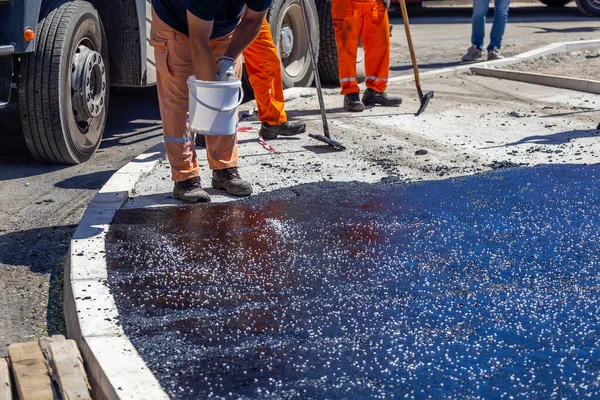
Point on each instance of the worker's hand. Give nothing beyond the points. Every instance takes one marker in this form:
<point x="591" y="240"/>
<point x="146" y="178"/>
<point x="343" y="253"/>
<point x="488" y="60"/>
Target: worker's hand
<point x="386" y="3"/>
<point x="226" y="69"/>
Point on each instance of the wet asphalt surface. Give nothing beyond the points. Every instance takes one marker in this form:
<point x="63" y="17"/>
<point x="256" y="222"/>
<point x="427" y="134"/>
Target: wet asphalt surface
<point x="477" y="287"/>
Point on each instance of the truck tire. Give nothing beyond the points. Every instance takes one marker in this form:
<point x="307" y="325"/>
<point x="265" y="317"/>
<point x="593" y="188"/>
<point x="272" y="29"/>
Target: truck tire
<point x="328" y="57"/>
<point x="555" y="3"/>
<point x="589" y="7"/>
<point x="64" y="84"/>
<point x="291" y="41"/>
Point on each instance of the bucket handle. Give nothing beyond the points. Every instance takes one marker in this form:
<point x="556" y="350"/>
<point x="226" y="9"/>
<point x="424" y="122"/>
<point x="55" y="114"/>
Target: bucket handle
<point x="241" y="94"/>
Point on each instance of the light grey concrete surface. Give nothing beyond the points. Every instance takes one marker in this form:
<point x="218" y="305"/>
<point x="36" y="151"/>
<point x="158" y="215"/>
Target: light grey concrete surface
<point x="472" y="125"/>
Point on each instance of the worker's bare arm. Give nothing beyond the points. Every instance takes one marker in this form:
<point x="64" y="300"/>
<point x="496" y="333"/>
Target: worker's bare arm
<point x="202" y="56"/>
<point x="245" y="32"/>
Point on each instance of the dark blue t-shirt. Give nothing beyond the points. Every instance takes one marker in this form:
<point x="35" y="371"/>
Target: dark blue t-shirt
<point x="225" y="13"/>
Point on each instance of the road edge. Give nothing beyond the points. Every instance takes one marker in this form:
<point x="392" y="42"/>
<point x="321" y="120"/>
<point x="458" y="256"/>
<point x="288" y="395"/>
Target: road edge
<point x="115" y="369"/>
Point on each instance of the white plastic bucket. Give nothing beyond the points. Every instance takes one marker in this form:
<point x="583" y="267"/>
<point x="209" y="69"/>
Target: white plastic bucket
<point x="213" y="106"/>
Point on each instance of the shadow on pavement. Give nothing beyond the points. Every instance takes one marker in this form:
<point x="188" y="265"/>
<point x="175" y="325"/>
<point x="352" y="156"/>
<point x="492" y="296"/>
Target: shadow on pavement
<point x="94" y="180"/>
<point x="555" y="138"/>
<point x="408" y="67"/>
<point x="581" y="29"/>
<point x="43" y="251"/>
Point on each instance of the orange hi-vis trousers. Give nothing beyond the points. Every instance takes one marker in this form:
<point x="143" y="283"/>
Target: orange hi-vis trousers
<point x="173" y="56"/>
<point x="264" y="71"/>
<point x="369" y="20"/>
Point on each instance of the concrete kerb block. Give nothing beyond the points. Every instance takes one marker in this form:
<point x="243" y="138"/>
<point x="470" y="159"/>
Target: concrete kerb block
<point x="96" y="309"/>
<point x="124" y="372"/>
<point x="582" y="85"/>
<point x="115" y="369"/>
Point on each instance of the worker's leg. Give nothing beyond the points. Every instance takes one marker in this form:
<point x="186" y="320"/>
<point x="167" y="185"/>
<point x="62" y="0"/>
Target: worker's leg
<point x="222" y="150"/>
<point x="264" y="71"/>
<point x="500" y="19"/>
<point x="480" y="9"/>
<point x="173" y="67"/>
<point x="347" y="25"/>
<point x="375" y="37"/>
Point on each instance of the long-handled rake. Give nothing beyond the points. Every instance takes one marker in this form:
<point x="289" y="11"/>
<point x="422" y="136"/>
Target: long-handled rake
<point x="327" y="138"/>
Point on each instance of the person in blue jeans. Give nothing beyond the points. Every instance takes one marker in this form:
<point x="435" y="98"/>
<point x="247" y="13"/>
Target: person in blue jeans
<point x="480" y="9"/>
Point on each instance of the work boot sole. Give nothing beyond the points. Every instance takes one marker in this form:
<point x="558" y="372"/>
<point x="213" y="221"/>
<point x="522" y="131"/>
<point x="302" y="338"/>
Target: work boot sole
<point x="192" y="199"/>
<point x="234" y="191"/>
<point x="292" y="132"/>
<point x="389" y="103"/>
<point x="354" y="107"/>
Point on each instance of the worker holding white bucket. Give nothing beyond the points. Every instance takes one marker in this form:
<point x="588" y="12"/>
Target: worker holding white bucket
<point x="182" y="31"/>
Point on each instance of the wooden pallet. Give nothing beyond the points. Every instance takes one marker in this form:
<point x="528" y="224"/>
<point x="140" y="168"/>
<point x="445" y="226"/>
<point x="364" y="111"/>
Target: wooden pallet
<point x="49" y="369"/>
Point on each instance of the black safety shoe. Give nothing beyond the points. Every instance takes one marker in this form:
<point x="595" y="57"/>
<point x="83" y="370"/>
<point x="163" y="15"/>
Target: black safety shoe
<point x="289" y="128"/>
<point x="229" y="180"/>
<point x="200" y="141"/>
<point x="371" y="97"/>
<point x="352" y="102"/>
<point x="190" y="191"/>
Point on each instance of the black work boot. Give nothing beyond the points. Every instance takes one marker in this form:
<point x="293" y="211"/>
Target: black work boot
<point x="200" y="141"/>
<point x="289" y="128"/>
<point x="352" y="102"/>
<point x="190" y="191"/>
<point x="229" y="180"/>
<point x="372" y="97"/>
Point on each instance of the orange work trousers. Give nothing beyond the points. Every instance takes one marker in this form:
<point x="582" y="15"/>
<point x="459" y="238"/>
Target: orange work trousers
<point x="264" y="71"/>
<point x="173" y="56"/>
<point x="369" y="20"/>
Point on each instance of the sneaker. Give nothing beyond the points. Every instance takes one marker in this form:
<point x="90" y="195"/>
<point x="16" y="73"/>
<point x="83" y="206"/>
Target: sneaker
<point x="289" y="128"/>
<point x="494" y="54"/>
<point x="190" y="191"/>
<point x="372" y="97"/>
<point x="200" y="140"/>
<point x="229" y="180"/>
<point x="473" y="53"/>
<point x="352" y="102"/>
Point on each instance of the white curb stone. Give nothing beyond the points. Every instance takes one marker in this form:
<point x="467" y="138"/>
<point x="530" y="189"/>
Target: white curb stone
<point x="115" y="369"/>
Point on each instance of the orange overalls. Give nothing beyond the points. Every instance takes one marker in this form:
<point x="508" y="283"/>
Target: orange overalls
<point x="369" y="20"/>
<point x="173" y="55"/>
<point x="264" y="71"/>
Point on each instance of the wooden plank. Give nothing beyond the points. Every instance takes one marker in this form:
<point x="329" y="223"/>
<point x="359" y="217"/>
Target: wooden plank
<point x="67" y="370"/>
<point x="30" y="372"/>
<point x="45" y="342"/>
<point x="5" y="386"/>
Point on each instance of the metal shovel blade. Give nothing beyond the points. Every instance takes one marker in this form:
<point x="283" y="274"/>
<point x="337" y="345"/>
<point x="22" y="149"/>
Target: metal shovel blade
<point x="328" y="140"/>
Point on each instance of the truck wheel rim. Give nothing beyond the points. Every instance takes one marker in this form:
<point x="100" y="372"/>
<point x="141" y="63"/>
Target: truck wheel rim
<point x="595" y="4"/>
<point x="88" y="85"/>
<point x="293" y="42"/>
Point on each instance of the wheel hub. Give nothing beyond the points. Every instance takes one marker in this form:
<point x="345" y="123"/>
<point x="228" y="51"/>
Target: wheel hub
<point x="88" y="83"/>
<point x="287" y="41"/>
